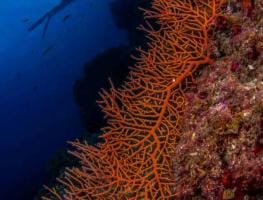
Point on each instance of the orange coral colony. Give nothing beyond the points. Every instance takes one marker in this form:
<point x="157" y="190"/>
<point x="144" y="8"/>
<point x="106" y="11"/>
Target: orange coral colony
<point x="144" y="115"/>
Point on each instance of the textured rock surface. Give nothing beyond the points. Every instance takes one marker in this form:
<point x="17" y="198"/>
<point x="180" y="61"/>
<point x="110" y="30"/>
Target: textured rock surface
<point x="220" y="155"/>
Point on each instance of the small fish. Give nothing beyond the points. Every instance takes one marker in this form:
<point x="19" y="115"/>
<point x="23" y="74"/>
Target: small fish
<point x="48" y="49"/>
<point x="25" y="20"/>
<point x="66" y="17"/>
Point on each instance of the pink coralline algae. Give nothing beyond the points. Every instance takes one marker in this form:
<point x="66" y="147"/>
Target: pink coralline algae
<point x="220" y="155"/>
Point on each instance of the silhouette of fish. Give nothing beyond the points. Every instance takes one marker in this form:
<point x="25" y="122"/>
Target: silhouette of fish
<point x="48" y="16"/>
<point x="66" y="17"/>
<point x="25" y="20"/>
<point x="48" y="49"/>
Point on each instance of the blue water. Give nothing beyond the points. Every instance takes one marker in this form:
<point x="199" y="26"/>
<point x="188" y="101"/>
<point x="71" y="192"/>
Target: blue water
<point x="37" y="111"/>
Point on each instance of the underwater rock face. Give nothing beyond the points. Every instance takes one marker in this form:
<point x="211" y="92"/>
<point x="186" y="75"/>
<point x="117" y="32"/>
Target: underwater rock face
<point x="112" y="63"/>
<point x="220" y="155"/>
<point x="218" y="147"/>
<point x="127" y="16"/>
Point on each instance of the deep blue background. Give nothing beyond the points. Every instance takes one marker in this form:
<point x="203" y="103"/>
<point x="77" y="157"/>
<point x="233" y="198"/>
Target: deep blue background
<point x="37" y="111"/>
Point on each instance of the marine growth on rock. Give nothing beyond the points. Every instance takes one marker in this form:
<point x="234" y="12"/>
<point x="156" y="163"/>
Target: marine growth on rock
<point x="220" y="153"/>
<point x="187" y="122"/>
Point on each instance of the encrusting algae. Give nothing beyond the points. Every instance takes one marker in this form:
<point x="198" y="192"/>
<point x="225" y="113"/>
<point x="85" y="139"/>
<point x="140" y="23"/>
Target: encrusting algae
<point x="220" y="154"/>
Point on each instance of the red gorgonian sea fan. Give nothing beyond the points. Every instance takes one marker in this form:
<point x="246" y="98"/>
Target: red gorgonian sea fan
<point x="144" y="115"/>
